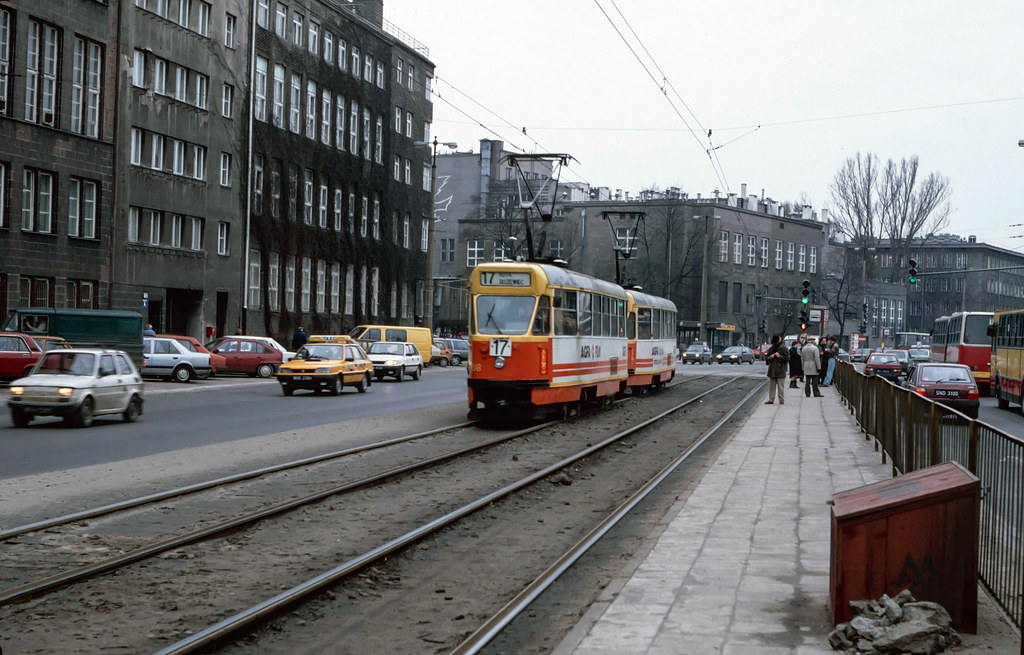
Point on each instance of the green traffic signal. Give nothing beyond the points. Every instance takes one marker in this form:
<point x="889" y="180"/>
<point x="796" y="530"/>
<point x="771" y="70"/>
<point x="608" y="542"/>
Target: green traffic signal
<point x="805" y="299"/>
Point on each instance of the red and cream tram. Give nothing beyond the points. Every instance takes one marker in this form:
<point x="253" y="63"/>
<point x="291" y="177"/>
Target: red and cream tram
<point x="543" y="338"/>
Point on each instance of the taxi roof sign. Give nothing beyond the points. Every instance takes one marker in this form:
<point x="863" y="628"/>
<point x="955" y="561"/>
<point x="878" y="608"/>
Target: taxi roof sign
<point x="329" y="338"/>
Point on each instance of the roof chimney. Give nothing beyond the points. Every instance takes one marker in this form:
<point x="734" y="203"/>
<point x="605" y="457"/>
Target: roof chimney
<point x="972" y="239"/>
<point x="743" y="190"/>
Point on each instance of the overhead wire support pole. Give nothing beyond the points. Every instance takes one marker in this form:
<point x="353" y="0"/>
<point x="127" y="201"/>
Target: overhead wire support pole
<point x="530" y="199"/>
<point x="623" y="251"/>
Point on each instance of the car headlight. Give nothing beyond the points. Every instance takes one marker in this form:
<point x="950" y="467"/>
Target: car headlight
<point x="65" y="391"/>
<point x="17" y="391"/>
<point x="391" y="362"/>
<point x="499" y="362"/>
<point x="322" y="370"/>
<point x="732" y="356"/>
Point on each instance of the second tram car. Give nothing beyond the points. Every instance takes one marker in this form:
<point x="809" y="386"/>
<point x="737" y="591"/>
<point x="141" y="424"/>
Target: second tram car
<point x="1007" y="334"/>
<point x="962" y="338"/>
<point x="543" y="339"/>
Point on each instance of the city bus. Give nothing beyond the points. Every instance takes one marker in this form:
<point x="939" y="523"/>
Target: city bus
<point x="1007" y="332"/>
<point x="962" y="338"/>
<point x="907" y="340"/>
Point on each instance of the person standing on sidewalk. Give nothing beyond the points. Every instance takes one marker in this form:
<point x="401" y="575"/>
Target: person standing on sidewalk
<point x="832" y="349"/>
<point x="796" y="369"/>
<point x="777" y="358"/>
<point x="811" y="360"/>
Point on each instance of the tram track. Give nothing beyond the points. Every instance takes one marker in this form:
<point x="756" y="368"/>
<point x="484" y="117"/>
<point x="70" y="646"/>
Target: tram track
<point x="367" y="556"/>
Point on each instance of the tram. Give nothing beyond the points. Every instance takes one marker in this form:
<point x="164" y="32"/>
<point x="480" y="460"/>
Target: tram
<point x="1007" y="332"/>
<point x="544" y="339"/>
<point x="907" y="340"/>
<point x="962" y="338"/>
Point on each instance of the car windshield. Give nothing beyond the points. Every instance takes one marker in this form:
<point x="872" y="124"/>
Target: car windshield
<point x="920" y="353"/>
<point x="883" y="359"/>
<point x="733" y="351"/>
<point x="945" y="374"/>
<point x="899" y="354"/>
<point x="321" y="351"/>
<point x="65" y="363"/>
<point x="385" y="348"/>
<point x="695" y="349"/>
<point x="504" y="314"/>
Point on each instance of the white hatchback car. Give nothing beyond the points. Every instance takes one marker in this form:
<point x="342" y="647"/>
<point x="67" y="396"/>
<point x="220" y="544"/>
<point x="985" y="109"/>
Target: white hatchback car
<point x="395" y="358"/>
<point x="78" y="384"/>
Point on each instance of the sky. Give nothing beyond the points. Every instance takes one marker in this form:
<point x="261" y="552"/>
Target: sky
<point x="939" y="79"/>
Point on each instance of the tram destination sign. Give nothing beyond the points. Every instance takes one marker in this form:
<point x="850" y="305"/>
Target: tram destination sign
<point x="504" y="279"/>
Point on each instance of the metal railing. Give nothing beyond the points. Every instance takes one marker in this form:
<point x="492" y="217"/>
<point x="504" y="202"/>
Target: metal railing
<point x="913" y="432"/>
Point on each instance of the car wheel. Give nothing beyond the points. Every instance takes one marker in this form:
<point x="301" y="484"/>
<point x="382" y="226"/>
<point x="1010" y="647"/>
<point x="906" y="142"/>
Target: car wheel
<point x="336" y="387"/>
<point x="20" y="417"/>
<point x="363" y="383"/>
<point x="182" y="374"/>
<point x="264" y="370"/>
<point x="133" y="410"/>
<point x="456" y="360"/>
<point x="443" y="362"/>
<point x="83" y="418"/>
<point x="286" y="390"/>
<point x="400" y="375"/>
<point x="417" y="373"/>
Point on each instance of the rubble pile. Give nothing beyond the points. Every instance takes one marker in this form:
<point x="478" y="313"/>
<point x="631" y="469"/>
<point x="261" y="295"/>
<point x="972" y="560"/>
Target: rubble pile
<point x="895" y="625"/>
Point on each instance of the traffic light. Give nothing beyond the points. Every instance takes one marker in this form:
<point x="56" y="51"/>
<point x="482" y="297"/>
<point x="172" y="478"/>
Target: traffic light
<point x="806" y="292"/>
<point x="863" y="327"/>
<point x="804" y="319"/>
<point x="913" y="272"/>
<point x="764" y="325"/>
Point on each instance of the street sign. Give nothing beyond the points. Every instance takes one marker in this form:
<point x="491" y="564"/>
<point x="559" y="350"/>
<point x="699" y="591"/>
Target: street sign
<point x="815" y="316"/>
<point x="726" y="327"/>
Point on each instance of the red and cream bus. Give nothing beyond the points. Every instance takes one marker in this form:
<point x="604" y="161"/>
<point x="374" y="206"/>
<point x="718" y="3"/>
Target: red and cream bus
<point x="962" y="338"/>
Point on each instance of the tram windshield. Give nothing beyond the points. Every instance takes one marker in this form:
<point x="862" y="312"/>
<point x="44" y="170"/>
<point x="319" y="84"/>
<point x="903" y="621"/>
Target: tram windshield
<point x="976" y="329"/>
<point x="504" y="314"/>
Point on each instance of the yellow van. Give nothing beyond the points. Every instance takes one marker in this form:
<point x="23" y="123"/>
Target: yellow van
<point x="418" y="336"/>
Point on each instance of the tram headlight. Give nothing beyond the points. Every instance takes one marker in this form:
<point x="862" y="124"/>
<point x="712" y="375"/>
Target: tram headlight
<point x="499" y="362"/>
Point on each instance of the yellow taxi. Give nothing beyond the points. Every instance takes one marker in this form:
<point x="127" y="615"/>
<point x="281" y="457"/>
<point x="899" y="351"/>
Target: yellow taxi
<point x="326" y="363"/>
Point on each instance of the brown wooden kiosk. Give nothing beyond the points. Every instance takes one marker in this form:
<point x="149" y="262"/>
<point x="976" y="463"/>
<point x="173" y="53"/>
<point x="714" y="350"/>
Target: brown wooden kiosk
<point x="918" y="531"/>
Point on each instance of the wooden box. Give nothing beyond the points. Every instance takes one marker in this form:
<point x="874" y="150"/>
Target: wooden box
<point x="918" y="532"/>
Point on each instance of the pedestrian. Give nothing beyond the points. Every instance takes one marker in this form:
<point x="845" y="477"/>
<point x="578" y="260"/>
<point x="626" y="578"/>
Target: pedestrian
<point x="777" y="358"/>
<point x="832" y="348"/>
<point x="811" y="359"/>
<point x="149" y="331"/>
<point x="796" y="369"/>
<point x="299" y="339"/>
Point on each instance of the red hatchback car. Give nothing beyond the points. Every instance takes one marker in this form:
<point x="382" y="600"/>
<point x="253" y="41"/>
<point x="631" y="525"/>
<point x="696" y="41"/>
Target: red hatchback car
<point x="247" y="355"/>
<point x="217" y="362"/>
<point x="884" y="365"/>
<point x="18" y="353"/>
<point x="950" y="384"/>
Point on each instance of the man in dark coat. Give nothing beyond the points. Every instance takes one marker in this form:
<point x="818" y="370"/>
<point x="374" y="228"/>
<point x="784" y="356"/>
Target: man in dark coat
<point x="299" y="339"/>
<point x="796" y="369"/>
<point x="778" y="360"/>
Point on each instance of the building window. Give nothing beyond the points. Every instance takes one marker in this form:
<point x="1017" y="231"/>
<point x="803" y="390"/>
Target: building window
<point x="380" y="75"/>
<point x="254" y="279"/>
<point x="263" y="13"/>
<point x="5" y="58"/>
<point x="814" y="260"/>
<point x="180" y="83"/>
<point x="177" y="230"/>
<point x="281" y="20"/>
<point x="349" y="284"/>
<point x="203" y="23"/>
<point x="202" y="87"/>
<point x="342" y="53"/>
<point x="408" y="124"/>
<point x="398" y="70"/>
<point x="277" y="112"/>
<point x="223" y="230"/>
<point x="723" y="246"/>
<point x="322" y="209"/>
<point x="447" y="250"/>
<point x="294" y="104"/>
<point x="961" y="260"/>
<point x="260" y="95"/>
<point x="405" y="233"/>
<point x="427" y="85"/>
<point x="375" y="291"/>
<point x="325" y="117"/>
<point x="257" y="183"/>
<point x="426" y="177"/>
<point x="184" y="10"/>
<point x="353" y="128"/>
<point x="133" y="224"/>
<point x="297" y="23"/>
<point x="199" y="162"/>
<point x="138" y="67"/>
<point x="310" y="109"/>
<point x="408" y="171"/>
<point x="197" y="234"/>
<point x="376" y="218"/>
<point x="82" y="209"/>
<point x="4" y="170"/>
<point x="275" y="189"/>
<point x="227" y="96"/>
<point x="366" y="133"/>
<point x="337" y="210"/>
<point x="307" y="273"/>
<point x="398" y="169"/>
<point x="273" y="273"/>
<point x="751" y="251"/>
<point x="41" y="73"/>
<point x="410" y="76"/>
<point x="339" y="123"/>
<point x="352" y="213"/>
<point x="778" y="255"/>
<point x="136" y="154"/>
<point x="764" y="252"/>
<point x="802" y="261"/>
<point x="289" y="285"/>
<point x="225" y="169"/>
<point x="321" y="286"/>
<point x="364" y="216"/>
<point x="307" y="197"/>
<point x="314" y="37"/>
<point x="368" y="68"/>
<point x="160" y="76"/>
<point x="328" y="47"/>
<point x="790" y="252"/>
<point x="378" y="143"/>
<point x="737" y="249"/>
<point x="156" y="227"/>
<point x="85" y="88"/>
<point x="37" y="201"/>
<point x="424" y="234"/>
<point x="80" y="294"/>
<point x="398" y="120"/>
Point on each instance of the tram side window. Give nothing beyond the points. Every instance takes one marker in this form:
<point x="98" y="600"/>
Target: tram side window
<point x="643" y="320"/>
<point x="631" y="326"/>
<point x="565" y="313"/>
<point x="606" y="316"/>
<point x="585" y="314"/>
<point x="542" y="320"/>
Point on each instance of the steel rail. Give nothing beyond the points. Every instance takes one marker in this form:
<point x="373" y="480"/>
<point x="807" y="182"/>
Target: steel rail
<point x="217" y="482"/>
<point x="483" y="635"/>
<point x="272" y="606"/>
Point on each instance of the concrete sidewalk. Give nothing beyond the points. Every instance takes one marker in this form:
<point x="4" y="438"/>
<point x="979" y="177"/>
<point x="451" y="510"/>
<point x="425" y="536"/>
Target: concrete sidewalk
<point x="743" y="567"/>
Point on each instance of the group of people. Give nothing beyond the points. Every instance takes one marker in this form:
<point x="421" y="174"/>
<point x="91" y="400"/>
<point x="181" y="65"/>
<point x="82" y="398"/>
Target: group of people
<point x="813" y="364"/>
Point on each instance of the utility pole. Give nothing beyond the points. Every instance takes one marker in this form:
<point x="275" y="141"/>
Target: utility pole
<point x="704" y="283"/>
<point x="428" y="311"/>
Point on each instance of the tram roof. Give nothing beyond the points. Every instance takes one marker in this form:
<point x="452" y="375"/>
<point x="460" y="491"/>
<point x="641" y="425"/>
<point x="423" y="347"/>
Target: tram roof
<point x="647" y="300"/>
<point x="561" y="277"/>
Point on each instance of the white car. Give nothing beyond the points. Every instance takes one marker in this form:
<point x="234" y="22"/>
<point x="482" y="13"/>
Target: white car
<point x="286" y="355"/>
<point x="78" y="384"/>
<point x="395" y="358"/>
<point x="165" y="357"/>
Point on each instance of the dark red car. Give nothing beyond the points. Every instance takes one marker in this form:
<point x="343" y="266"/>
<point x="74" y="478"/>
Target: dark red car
<point x="952" y="385"/>
<point x="18" y="353"/>
<point x="884" y="365"/>
<point x="247" y="355"/>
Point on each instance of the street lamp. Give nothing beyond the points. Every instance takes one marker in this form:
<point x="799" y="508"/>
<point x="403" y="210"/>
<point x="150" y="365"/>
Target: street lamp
<point x="428" y="314"/>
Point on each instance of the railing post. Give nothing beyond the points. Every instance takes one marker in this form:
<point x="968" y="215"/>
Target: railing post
<point x="908" y="431"/>
<point x="933" y="436"/>
<point x="972" y="447"/>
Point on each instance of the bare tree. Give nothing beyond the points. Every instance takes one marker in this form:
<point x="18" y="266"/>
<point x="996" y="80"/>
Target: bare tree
<point x="911" y="208"/>
<point x="839" y="284"/>
<point x="854" y="191"/>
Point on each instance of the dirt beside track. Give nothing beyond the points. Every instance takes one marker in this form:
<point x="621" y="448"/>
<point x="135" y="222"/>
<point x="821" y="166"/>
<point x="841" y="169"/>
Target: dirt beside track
<point x="425" y="599"/>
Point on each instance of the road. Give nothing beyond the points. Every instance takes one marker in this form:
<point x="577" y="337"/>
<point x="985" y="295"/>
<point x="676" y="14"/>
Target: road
<point x="206" y="412"/>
